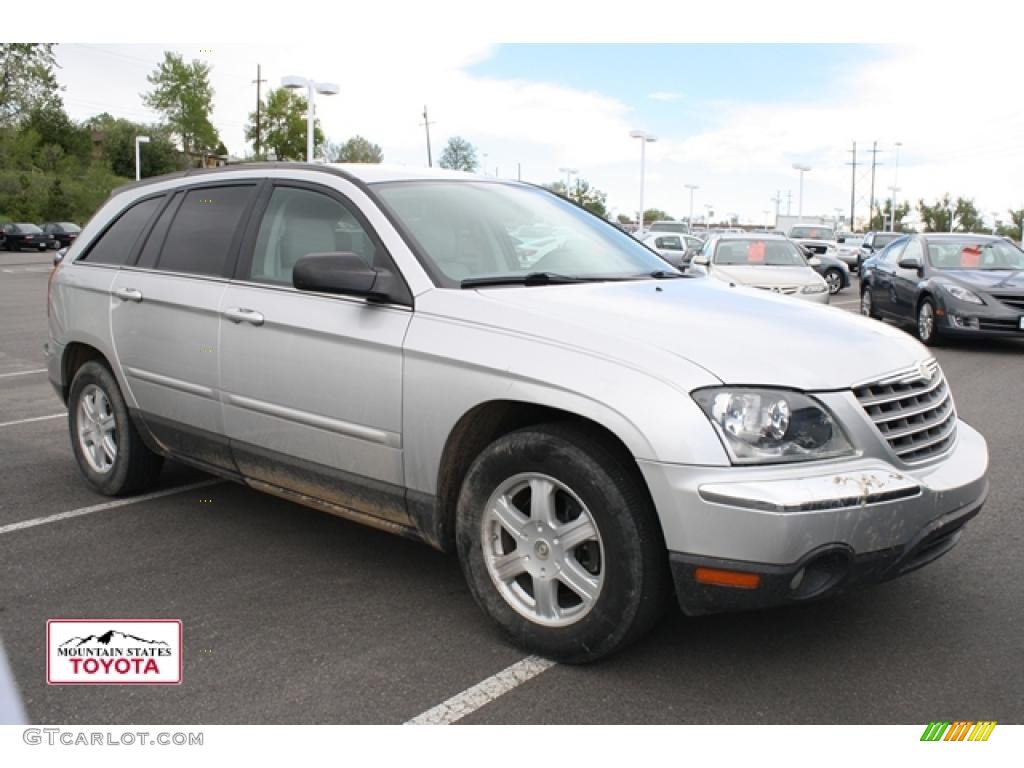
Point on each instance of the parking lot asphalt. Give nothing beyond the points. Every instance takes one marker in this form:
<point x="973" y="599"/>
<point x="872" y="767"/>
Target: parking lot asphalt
<point x="294" y="616"/>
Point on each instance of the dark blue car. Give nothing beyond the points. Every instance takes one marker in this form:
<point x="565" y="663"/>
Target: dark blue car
<point x="947" y="285"/>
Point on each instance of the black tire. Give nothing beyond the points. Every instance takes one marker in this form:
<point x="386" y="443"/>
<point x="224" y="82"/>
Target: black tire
<point x="135" y="467"/>
<point x="927" y="331"/>
<point x="867" y="309"/>
<point x="834" y="278"/>
<point x="634" y="567"/>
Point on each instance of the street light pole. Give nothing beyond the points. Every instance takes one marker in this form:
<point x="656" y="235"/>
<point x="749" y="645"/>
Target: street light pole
<point x="312" y="88"/>
<point x="800" y="208"/>
<point x="645" y="139"/>
<point x="569" y="173"/>
<point x="895" y="189"/>
<point x="138" y="159"/>
<point x="689" y="221"/>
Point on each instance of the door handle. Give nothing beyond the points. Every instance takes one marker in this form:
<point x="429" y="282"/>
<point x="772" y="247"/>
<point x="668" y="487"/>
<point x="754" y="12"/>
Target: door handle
<point x="243" y="315"/>
<point x="129" y="294"/>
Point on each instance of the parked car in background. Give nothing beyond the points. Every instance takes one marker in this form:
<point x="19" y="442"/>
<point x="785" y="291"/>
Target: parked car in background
<point x="947" y="285"/>
<point x="677" y="250"/>
<point x="594" y="435"/>
<point x="663" y="226"/>
<point x="847" y="248"/>
<point x="817" y="239"/>
<point x="19" y="236"/>
<point x="871" y="244"/>
<point x="833" y="269"/>
<point x="771" y="263"/>
<point x="64" y="232"/>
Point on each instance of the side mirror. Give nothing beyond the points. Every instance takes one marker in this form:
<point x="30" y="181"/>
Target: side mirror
<point x="343" y="273"/>
<point x="701" y="260"/>
<point x="58" y="257"/>
<point x="910" y="262"/>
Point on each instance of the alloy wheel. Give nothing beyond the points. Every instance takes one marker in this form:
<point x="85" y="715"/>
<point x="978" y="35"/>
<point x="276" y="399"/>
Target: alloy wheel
<point x="97" y="429"/>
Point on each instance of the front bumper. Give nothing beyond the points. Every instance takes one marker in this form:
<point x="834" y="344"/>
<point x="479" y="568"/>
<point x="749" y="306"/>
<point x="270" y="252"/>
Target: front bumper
<point x="960" y="318"/>
<point x="807" y="531"/>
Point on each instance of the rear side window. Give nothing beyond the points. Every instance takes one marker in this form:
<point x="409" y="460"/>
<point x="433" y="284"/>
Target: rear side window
<point x="203" y="229"/>
<point x="116" y="244"/>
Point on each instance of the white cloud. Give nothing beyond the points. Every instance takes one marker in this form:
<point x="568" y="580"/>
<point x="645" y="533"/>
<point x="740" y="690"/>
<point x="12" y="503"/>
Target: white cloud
<point x="665" y="96"/>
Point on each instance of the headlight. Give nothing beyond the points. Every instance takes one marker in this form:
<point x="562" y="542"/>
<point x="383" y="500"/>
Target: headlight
<point x="814" y="288"/>
<point x="963" y="294"/>
<point x="764" y="426"/>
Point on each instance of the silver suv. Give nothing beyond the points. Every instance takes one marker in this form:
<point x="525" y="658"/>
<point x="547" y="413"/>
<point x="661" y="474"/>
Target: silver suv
<point x="589" y="433"/>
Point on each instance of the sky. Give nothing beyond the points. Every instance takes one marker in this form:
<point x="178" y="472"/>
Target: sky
<point x="731" y="118"/>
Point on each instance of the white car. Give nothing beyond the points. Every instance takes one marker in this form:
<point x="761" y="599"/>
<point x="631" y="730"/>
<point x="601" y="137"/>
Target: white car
<point x="768" y="262"/>
<point x="675" y="249"/>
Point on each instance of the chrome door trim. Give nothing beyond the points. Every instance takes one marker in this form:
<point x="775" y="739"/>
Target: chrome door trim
<point x="358" y="431"/>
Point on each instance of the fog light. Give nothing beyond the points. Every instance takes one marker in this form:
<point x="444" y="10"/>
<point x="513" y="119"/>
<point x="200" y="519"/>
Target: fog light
<point x="798" y="579"/>
<point x="959" y="321"/>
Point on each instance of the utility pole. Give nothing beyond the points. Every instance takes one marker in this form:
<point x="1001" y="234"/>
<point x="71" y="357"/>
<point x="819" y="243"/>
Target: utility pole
<point x="789" y="202"/>
<point x="874" y="152"/>
<point x="853" y="186"/>
<point x="895" y="189"/>
<point x="426" y="124"/>
<point x="258" y="81"/>
<point x="519" y="171"/>
<point x="778" y="200"/>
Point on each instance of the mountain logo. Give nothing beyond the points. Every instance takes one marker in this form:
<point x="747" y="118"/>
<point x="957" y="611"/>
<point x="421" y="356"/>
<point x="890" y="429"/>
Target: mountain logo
<point x="113" y="651"/>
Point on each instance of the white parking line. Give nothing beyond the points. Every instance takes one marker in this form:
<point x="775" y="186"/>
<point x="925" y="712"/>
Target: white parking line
<point x="484" y="692"/>
<point x="37" y="418"/>
<point x="102" y="507"/>
<point x="22" y="373"/>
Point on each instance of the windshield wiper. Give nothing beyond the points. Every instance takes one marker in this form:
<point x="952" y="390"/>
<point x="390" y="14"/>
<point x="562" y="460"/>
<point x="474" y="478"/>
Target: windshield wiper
<point x="533" y="278"/>
<point x="664" y="274"/>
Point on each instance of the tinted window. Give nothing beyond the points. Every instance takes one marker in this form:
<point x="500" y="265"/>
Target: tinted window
<point x="155" y="240"/>
<point x="203" y="228"/>
<point x="29" y="229"/>
<point x="299" y="222"/>
<point x="669" y="243"/>
<point x="116" y="244"/>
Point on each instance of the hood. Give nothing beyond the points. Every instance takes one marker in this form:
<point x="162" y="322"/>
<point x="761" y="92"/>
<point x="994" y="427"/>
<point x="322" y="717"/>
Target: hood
<point x="745" y="274"/>
<point x="739" y="335"/>
<point x="987" y="280"/>
<point x="811" y="241"/>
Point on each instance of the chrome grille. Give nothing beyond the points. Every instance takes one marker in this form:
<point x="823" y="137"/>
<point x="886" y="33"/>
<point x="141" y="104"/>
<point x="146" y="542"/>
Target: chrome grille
<point x="788" y="290"/>
<point x="913" y="412"/>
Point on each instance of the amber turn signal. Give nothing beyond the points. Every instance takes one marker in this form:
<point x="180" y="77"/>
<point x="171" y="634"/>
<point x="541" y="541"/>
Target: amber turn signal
<point x="728" y="578"/>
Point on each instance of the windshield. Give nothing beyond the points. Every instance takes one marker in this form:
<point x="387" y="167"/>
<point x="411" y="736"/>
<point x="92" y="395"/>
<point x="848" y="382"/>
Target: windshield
<point x="669" y="226"/>
<point x="28" y="229"/>
<point x="812" y="233"/>
<point x="67" y="226"/>
<point x="469" y="229"/>
<point x="966" y="254"/>
<point x="758" y="253"/>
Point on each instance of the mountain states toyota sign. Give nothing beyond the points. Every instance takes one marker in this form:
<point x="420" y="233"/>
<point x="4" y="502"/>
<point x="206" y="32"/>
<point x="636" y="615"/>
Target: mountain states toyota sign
<point x="113" y="651"/>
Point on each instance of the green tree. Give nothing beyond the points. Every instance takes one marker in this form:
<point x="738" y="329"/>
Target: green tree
<point x="623" y="219"/>
<point x="355" y="150"/>
<point x="584" y="195"/>
<point x="57" y="207"/>
<point x="880" y="221"/>
<point x="27" y="81"/>
<point x="117" y="143"/>
<point x="55" y="128"/>
<point x="966" y="217"/>
<point x="656" y="214"/>
<point x="282" y="126"/>
<point x="459" y="155"/>
<point x="935" y="216"/>
<point x="1011" y="229"/>
<point x="183" y="95"/>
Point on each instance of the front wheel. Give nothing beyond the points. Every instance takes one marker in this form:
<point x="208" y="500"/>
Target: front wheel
<point x="108" y="448"/>
<point x="867" y="304"/>
<point x="559" y="543"/>
<point x="834" y="279"/>
<point x="927" y="331"/>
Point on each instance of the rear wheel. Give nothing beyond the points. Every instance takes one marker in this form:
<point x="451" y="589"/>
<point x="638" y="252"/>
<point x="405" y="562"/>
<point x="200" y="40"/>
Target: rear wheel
<point x="106" y="444"/>
<point x="560" y="545"/>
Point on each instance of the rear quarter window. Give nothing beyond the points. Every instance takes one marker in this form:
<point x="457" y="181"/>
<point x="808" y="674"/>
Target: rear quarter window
<point x="116" y="244"/>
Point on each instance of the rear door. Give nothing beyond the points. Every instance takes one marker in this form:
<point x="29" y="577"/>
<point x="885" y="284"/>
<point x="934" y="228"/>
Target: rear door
<point x="165" y="317"/>
<point x="905" y="282"/>
<point x="883" y="278"/>
<point x="312" y="383"/>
